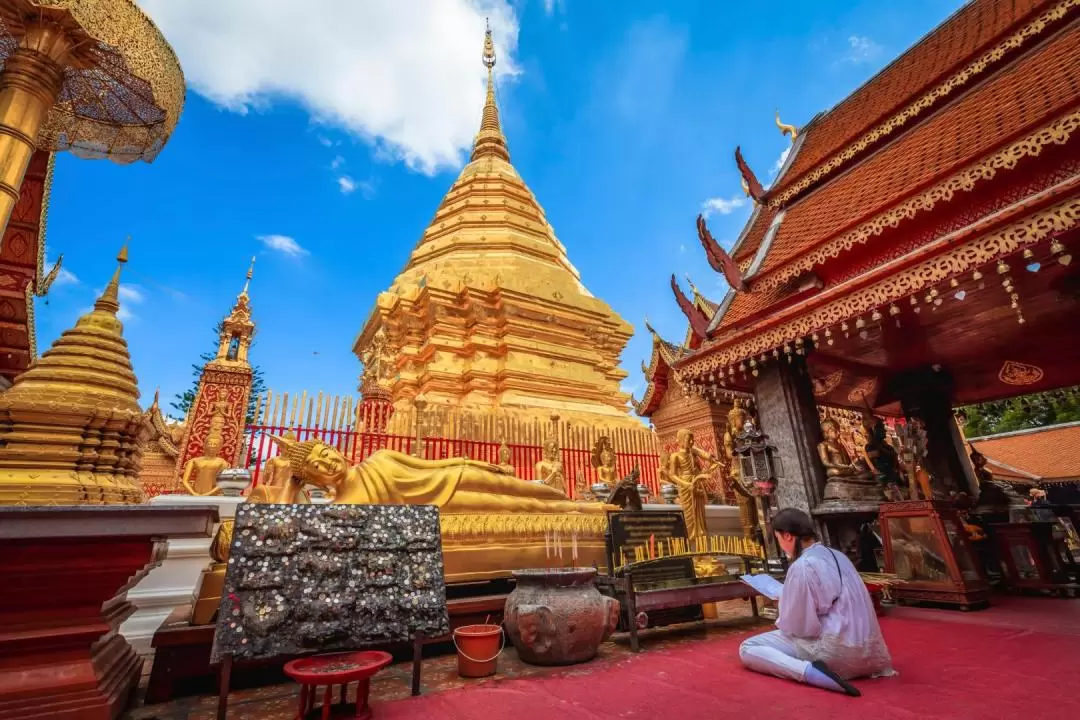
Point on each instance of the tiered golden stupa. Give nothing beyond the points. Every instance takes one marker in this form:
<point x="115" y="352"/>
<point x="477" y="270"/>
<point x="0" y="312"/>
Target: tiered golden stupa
<point x="71" y="426"/>
<point x="489" y="314"/>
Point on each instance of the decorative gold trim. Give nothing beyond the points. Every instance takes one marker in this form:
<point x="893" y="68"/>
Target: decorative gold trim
<point x="469" y="527"/>
<point x="826" y="385"/>
<point x="960" y="259"/>
<point x="1018" y="373"/>
<point x="35" y="287"/>
<point x="1058" y="133"/>
<point x="946" y="88"/>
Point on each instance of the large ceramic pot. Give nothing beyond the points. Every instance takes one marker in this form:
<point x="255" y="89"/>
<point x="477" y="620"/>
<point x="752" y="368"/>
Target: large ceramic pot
<point x="558" y="617"/>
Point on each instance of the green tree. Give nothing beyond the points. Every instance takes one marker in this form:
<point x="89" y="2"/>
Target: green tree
<point x="182" y="402"/>
<point x="1021" y="413"/>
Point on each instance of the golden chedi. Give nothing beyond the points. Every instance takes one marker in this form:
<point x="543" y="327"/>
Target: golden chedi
<point x="71" y="425"/>
<point x="492" y="522"/>
<point x="490" y="313"/>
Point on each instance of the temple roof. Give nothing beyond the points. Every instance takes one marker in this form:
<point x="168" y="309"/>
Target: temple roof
<point x="974" y="28"/>
<point x="1039" y="455"/>
<point x="937" y="157"/>
<point x="657" y="371"/>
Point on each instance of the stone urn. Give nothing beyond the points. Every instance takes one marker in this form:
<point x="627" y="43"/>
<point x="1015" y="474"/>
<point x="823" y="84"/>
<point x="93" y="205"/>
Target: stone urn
<point x="670" y="493"/>
<point x="600" y="490"/>
<point x="557" y="616"/>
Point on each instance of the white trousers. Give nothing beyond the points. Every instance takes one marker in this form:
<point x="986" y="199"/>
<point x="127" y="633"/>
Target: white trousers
<point x="773" y="654"/>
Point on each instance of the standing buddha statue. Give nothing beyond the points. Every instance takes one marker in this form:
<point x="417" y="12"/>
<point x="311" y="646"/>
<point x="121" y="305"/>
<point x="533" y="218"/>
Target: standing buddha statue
<point x="748" y="515"/>
<point x="689" y="469"/>
<point x="200" y="473"/>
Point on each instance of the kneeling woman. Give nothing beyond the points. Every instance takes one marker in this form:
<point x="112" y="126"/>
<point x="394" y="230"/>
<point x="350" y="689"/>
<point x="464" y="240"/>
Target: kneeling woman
<point x="827" y="632"/>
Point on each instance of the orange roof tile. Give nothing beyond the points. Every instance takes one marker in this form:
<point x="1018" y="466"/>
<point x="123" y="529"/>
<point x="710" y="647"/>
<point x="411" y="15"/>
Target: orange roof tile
<point x="1017" y="100"/>
<point x="755" y="233"/>
<point x="970" y="30"/>
<point x="1051" y="453"/>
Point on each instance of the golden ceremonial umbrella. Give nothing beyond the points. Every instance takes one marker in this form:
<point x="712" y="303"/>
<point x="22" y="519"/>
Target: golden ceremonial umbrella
<point x="95" y="77"/>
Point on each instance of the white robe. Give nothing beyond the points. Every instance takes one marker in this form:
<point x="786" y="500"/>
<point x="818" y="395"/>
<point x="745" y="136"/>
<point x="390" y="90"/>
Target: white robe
<point x="826" y="614"/>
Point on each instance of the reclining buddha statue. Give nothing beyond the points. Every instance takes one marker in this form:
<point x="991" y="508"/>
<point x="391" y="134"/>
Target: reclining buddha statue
<point x="492" y="521"/>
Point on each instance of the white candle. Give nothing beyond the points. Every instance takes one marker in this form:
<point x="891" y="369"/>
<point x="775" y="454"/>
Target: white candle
<point x="547" y="545"/>
<point x="573" y="540"/>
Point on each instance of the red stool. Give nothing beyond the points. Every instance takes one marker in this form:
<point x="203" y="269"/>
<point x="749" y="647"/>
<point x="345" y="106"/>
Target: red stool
<point x="336" y="669"/>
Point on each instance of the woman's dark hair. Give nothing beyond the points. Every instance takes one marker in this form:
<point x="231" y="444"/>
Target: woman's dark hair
<point x="797" y="523"/>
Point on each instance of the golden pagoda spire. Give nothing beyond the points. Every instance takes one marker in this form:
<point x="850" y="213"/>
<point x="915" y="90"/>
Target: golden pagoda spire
<point x="70" y="425"/>
<point x="110" y="298"/>
<point x="490" y="141"/>
<point x="250" y="273"/>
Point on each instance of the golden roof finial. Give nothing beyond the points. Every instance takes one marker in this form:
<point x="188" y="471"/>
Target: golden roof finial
<point x="490" y="139"/>
<point x="110" y="298"/>
<point x="693" y="288"/>
<point x="786" y="129"/>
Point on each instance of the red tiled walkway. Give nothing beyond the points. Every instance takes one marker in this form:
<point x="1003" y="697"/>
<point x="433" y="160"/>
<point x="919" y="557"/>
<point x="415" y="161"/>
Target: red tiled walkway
<point x="1018" y="659"/>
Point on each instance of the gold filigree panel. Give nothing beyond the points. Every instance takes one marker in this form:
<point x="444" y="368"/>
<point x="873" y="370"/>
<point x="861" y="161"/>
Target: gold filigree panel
<point x="1057" y="133"/>
<point x="922" y="276"/>
<point x="956" y="82"/>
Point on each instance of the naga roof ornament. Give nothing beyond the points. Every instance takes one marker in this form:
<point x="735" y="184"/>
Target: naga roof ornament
<point x="699" y="324"/>
<point x="750" y="183"/>
<point x="718" y="258"/>
<point x="785" y="129"/>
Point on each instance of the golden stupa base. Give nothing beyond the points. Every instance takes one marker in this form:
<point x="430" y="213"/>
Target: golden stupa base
<point x="208" y="595"/>
<point x="26" y="487"/>
<point x="490" y="547"/>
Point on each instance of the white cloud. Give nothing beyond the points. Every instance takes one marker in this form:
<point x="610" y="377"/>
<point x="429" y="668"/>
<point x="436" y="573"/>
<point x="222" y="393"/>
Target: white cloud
<point x="862" y="49"/>
<point x="346" y="184"/>
<point x="283" y="244"/>
<point x="131" y="293"/>
<point x="551" y="6"/>
<point x="325" y="141"/>
<point x="64" y="277"/>
<point x="682" y="249"/>
<point x="337" y="162"/>
<point x="375" y="68"/>
<point x="125" y="315"/>
<point x="724" y="206"/>
<point x="779" y="164"/>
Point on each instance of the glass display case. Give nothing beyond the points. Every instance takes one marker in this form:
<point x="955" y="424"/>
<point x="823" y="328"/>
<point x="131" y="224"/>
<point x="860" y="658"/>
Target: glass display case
<point x="927" y="547"/>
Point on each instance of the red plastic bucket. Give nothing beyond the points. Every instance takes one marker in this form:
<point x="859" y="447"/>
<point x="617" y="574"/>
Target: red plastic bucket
<point x="478" y="649"/>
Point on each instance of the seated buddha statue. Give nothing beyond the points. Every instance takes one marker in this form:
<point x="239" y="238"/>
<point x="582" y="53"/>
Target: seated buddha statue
<point x="603" y="461"/>
<point x="277" y="481"/>
<point x="455" y="485"/>
<point x="506" y="464"/>
<point x="549" y="470"/>
<point x="844" y="479"/>
<point x="200" y="473"/>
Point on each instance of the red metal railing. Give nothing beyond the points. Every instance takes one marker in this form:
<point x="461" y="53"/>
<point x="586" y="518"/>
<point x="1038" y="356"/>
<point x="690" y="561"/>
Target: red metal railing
<point x="356" y="446"/>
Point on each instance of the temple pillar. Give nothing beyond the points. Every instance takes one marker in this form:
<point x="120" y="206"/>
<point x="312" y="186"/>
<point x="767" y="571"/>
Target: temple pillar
<point x="788" y="414"/>
<point x="926" y="394"/>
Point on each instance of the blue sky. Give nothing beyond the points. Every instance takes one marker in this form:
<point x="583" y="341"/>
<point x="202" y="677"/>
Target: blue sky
<point x="324" y="150"/>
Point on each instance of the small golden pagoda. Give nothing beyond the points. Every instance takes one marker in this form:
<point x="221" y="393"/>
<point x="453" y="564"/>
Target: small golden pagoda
<point x="71" y="426"/>
<point x="489" y="313"/>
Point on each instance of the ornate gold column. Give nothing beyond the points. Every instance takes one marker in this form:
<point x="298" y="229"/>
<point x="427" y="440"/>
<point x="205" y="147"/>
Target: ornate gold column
<point x="29" y="85"/>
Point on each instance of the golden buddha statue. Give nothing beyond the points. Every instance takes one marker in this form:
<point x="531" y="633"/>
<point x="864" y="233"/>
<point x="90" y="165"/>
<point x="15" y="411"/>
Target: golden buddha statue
<point x="603" y="461"/>
<point x="277" y="481"/>
<point x="200" y="473"/>
<point x="748" y="514"/>
<point x="506" y="464"/>
<point x="549" y="470"/>
<point x="845" y="479"/>
<point x="689" y="470"/>
<point x="492" y="522"/>
<point x="455" y="485"/>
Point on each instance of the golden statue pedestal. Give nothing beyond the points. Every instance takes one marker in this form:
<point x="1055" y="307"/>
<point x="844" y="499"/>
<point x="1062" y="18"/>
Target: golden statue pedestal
<point x="207" y="597"/>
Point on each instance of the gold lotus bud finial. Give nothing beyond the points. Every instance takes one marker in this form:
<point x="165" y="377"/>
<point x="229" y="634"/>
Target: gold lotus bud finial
<point x="489" y="46"/>
<point x="110" y="298"/>
<point x="786" y="129"/>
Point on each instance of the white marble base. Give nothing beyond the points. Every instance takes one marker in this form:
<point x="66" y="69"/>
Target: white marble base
<point x="172" y="583"/>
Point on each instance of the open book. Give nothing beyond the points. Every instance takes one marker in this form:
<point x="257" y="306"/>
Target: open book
<point x="765" y="584"/>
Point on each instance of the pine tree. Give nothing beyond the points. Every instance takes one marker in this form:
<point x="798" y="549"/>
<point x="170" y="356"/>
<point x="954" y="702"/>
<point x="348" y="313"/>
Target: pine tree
<point x="182" y="402"/>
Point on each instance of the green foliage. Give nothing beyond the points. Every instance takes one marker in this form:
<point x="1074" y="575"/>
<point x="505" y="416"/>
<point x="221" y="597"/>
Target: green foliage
<point x="1021" y="413"/>
<point x="182" y="402"/>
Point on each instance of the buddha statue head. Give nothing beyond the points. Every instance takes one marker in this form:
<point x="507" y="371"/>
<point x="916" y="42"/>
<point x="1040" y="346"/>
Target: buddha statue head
<point x="685" y="439"/>
<point x="830" y="430"/>
<point x="314" y="462"/>
<point x="551" y="450"/>
<point x="212" y="446"/>
<point x="504" y="454"/>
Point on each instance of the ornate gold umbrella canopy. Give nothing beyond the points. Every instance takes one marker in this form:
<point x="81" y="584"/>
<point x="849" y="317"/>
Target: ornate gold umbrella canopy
<point x="95" y="77"/>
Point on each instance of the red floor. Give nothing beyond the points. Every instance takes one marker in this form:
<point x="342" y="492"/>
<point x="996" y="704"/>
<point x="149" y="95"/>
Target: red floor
<point x="1019" y="659"/>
